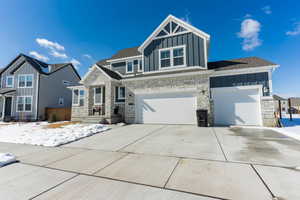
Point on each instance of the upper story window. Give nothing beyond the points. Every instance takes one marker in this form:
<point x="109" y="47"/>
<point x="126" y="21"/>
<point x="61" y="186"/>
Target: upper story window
<point x="9" y="81"/>
<point x="172" y="57"/>
<point x="129" y="66"/>
<point x="25" y="81"/>
<point x="140" y="67"/>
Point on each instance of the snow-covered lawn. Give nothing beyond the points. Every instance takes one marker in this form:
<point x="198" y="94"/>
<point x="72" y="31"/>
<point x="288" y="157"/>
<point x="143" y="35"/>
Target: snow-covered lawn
<point x="6" y="158"/>
<point x="39" y="133"/>
<point x="290" y="128"/>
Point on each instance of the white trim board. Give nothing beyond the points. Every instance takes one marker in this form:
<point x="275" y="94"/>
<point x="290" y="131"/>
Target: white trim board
<point x="180" y="22"/>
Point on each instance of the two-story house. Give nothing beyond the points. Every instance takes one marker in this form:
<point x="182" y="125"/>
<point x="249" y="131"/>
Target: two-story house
<point x="28" y="86"/>
<point x="168" y="77"/>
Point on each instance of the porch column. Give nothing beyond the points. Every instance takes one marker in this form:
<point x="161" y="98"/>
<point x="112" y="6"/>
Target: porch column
<point x="3" y="107"/>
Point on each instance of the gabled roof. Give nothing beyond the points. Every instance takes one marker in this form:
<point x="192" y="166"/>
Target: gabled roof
<point x="239" y="63"/>
<point x="128" y="52"/>
<point x="181" y="23"/>
<point x="40" y="66"/>
<point x="110" y="73"/>
<point x="276" y="97"/>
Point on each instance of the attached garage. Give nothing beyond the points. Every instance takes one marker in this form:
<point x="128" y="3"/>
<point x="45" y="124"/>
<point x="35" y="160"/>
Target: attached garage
<point x="237" y="105"/>
<point x="166" y="108"/>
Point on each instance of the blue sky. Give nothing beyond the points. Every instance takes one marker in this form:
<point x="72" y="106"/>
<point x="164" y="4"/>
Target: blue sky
<point x="86" y="31"/>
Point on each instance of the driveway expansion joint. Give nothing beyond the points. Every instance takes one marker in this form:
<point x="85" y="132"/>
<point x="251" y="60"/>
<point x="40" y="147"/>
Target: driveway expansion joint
<point x="263" y="181"/>
<point x="218" y="140"/>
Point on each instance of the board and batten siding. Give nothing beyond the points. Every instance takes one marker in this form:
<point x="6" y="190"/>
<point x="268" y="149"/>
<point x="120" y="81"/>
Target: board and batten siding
<point x="195" y="54"/>
<point x="261" y="78"/>
<point x="51" y="88"/>
<point x="26" y="68"/>
<point x="121" y="67"/>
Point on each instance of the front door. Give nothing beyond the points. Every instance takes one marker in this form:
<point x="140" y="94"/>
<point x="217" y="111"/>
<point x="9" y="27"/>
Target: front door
<point x="8" y="102"/>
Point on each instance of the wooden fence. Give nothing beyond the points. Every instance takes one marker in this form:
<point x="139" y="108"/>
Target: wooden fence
<point x="58" y="114"/>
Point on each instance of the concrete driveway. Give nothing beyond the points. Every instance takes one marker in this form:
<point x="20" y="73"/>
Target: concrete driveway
<point x="158" y="162"/>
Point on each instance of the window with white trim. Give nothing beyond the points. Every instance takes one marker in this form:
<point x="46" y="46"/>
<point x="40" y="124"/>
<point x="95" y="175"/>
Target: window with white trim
<point x="172" y="57"/>
<point x="61" y="101"/>
<point x="9" y="81"/>
<point x="140" y="67"/>
<point x="129" y="66"/>
<point x="24" y="103"/>
<point x="120" y="94"/>
<point x="98" y="96"/>
<point x="25" y="81"/>
<point x="75" y="96"/>
<point x="165" y="58"/>
<point x="81" y="97"/>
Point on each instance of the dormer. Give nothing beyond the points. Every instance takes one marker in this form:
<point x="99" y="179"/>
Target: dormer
<point x="175" y="44"/>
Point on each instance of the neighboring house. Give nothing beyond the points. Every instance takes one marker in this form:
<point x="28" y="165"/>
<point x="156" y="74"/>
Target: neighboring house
<point x="283" y="102"/>
<point x="168" y="77"/>
<point x="295" y="105"/>
<point x="28" y="86"/>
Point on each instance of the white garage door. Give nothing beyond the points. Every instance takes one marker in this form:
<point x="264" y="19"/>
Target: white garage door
<point x="173" y="108"/>
<point x="237" y="105"/>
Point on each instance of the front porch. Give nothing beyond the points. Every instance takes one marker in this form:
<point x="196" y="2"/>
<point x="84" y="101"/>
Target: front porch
<point x="96" y="104"/>
<point x="6" y="103"/>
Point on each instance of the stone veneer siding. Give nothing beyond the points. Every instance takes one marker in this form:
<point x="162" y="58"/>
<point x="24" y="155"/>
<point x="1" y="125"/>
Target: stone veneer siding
<point x="267" y="111"/>
<point x="198" y="82"/>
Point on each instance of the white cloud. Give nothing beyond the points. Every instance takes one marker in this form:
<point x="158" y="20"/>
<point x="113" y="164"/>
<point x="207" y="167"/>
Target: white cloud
<point x="87" y="56"/>
<point x="267" y="10"/>
<point x="57" y="54"/>
<point x="248" y="15"/>
<point x="296" y="30"/>
<point x="49" y="44"/>
<point x="186" y="17"/>
<point x="75" y="62"/>
<point x="250" y="29"/>
<point x="38" y="56"/>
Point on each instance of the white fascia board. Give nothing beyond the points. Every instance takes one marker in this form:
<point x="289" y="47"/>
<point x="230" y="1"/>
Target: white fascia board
<point x="123" y="59"/>
<point x="189" y="27"/>
<point x="244" y="71"/>
<point x="88" y="73"/>
<point x="181" y="68"/>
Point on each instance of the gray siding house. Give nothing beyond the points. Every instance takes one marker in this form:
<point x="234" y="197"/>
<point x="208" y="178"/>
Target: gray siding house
<point x="168" y="77"/>
<point x="28" y="86"/>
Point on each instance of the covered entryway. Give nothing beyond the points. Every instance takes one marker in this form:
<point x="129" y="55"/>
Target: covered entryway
<point x="237" y="105"/>
<point x="166" y="108"/>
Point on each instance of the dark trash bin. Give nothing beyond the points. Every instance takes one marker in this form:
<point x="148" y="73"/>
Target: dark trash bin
<point x="202" y="118"/>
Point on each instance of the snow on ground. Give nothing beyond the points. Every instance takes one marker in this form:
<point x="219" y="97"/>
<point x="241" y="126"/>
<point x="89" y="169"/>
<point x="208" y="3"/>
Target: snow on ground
<point x="6" y="158"/>
<point x="37" y="133"/>
<point x="290" y="128"/>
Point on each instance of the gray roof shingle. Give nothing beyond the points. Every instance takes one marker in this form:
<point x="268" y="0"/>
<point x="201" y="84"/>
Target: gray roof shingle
<point x="239" y="63"/>
<point x="128" y="52"/>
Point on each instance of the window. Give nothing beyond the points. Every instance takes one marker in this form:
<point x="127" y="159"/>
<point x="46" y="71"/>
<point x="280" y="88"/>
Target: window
<point x="75" y="97"/>
<point x="25" y="81"/>
<point x="129" y="66"/>
<point x="140" y="69"/>
<point x="178" y="56"/>
<point x="98" y="96"/>
<point x="172" y="57"/>
<point x="24" y="103"/>
<point x="9" y="81"/>
<point x="60" y="101"/>
<point x="81" y="97"/>
<point x="165" y="60"/>
<point x="120" y="94"/>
